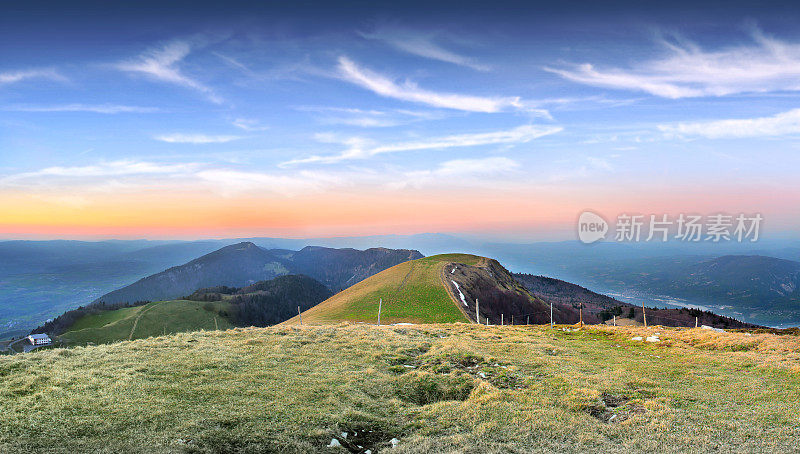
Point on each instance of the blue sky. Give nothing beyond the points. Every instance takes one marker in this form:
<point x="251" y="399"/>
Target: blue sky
<point x="538" y="110"/>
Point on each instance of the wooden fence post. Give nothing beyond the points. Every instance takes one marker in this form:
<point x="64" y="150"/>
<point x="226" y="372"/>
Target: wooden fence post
<point x="300" y="314"/>
<point x="380" y="303"/>
<point x="644" y="316"/>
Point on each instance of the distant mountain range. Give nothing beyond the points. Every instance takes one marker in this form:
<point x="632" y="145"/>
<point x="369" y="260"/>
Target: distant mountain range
<point x="244" y="263"/>
<point x="760" y="289"/>
<point x="341" y="268"/>
<point x="440" y="289"/>
<point x="749" y="280"/>
<point x="236" y="265"/>
<point x="41" y="279"/>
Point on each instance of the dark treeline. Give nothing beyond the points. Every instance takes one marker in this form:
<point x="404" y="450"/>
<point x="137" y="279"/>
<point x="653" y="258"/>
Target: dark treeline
<point x="64" y="321"/>
<point x="563" y="292"/>
<point x="686" y="317"/>
<point x="270" y="302"/>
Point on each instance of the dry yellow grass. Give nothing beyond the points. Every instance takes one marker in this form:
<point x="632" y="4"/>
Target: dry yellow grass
<point x="436" y="388"/>
<point x="764" y="349"/>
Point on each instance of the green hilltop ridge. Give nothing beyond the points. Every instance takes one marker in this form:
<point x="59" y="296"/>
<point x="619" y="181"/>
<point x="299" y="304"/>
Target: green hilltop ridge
<point x="438" y="289"/>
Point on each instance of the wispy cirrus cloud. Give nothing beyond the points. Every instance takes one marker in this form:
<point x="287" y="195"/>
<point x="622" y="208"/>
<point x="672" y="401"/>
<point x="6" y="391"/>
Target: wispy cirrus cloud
<point x="102" y="169"/>
<point x="100" y="108"/>
<point x="360" y="148"/>
<point x="196" y="138"/>
<point x="451" y="171"/>
<point x="422" y="44"/>
<point x="11" y="77"/>
<point x="369" y="118"/>
<point x="766" y="65"/>
<point x="249" y="125"/>
<point x="776" y="125"/>
<point x="230" y="182"/>
<point x="581" y="168"/>
<point x="409" y="91"/>
<point x="130" y="176"/>
<point x="135" y="177"/>
<point x="163" y="64"/>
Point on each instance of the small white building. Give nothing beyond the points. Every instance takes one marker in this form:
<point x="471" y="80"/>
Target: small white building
<point x="39" y="339"/>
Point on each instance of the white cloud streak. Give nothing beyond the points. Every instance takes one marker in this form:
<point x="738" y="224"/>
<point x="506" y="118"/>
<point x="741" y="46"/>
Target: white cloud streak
<point x="422" y="45"/>
<point x="777" y="125"/>
<point x="409" y="91"/>
<point x="575" y="170"/>
<point x="195" y="138"/>
<point x="230" y="182"/>
<point x="456" y="170"/>
<point x="104" y="169"/>
<point x="18" y="76"/>
<point x="359" y="148"/>
<point x="101" y="108"/>
<point x="370" y="118"/>
<point x="135" y="176"/>
<point x="162" y="64"/>
<point x="249" y="125"/>
<point x="766" y="65"/>
<point x="82" y="183"/>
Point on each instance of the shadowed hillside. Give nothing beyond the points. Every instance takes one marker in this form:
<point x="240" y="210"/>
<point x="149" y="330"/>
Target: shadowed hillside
<point x="245" y="263"/>
<point x="341" y="268"/>
<point x="235" y="265"/>
<point x="500" y="297"/>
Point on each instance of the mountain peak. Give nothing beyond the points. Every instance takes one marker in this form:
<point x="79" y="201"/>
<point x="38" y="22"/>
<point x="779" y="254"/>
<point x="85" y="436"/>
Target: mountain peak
<point x="243" y="263"/>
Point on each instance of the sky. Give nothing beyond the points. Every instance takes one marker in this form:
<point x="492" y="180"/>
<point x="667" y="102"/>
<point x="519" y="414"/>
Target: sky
<point x="186" y="120"/>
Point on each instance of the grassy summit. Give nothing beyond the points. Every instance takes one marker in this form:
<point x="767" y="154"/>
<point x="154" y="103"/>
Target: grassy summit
<point x="412" y="291"/>
<point x="432" y="388"/>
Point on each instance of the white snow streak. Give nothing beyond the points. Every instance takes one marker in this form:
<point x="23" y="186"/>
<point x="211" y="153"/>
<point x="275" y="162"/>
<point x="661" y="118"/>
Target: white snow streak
<point x="463" y="300"/>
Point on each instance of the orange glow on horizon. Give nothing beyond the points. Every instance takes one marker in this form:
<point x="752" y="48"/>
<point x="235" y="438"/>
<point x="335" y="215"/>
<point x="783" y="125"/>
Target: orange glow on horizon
<point x="540" y="211"/>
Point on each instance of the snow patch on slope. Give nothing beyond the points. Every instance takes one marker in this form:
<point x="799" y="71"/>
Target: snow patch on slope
<point x="463" y="300"/>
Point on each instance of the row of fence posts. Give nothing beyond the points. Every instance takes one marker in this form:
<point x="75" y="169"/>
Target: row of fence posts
<point x="502" y="316"/>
